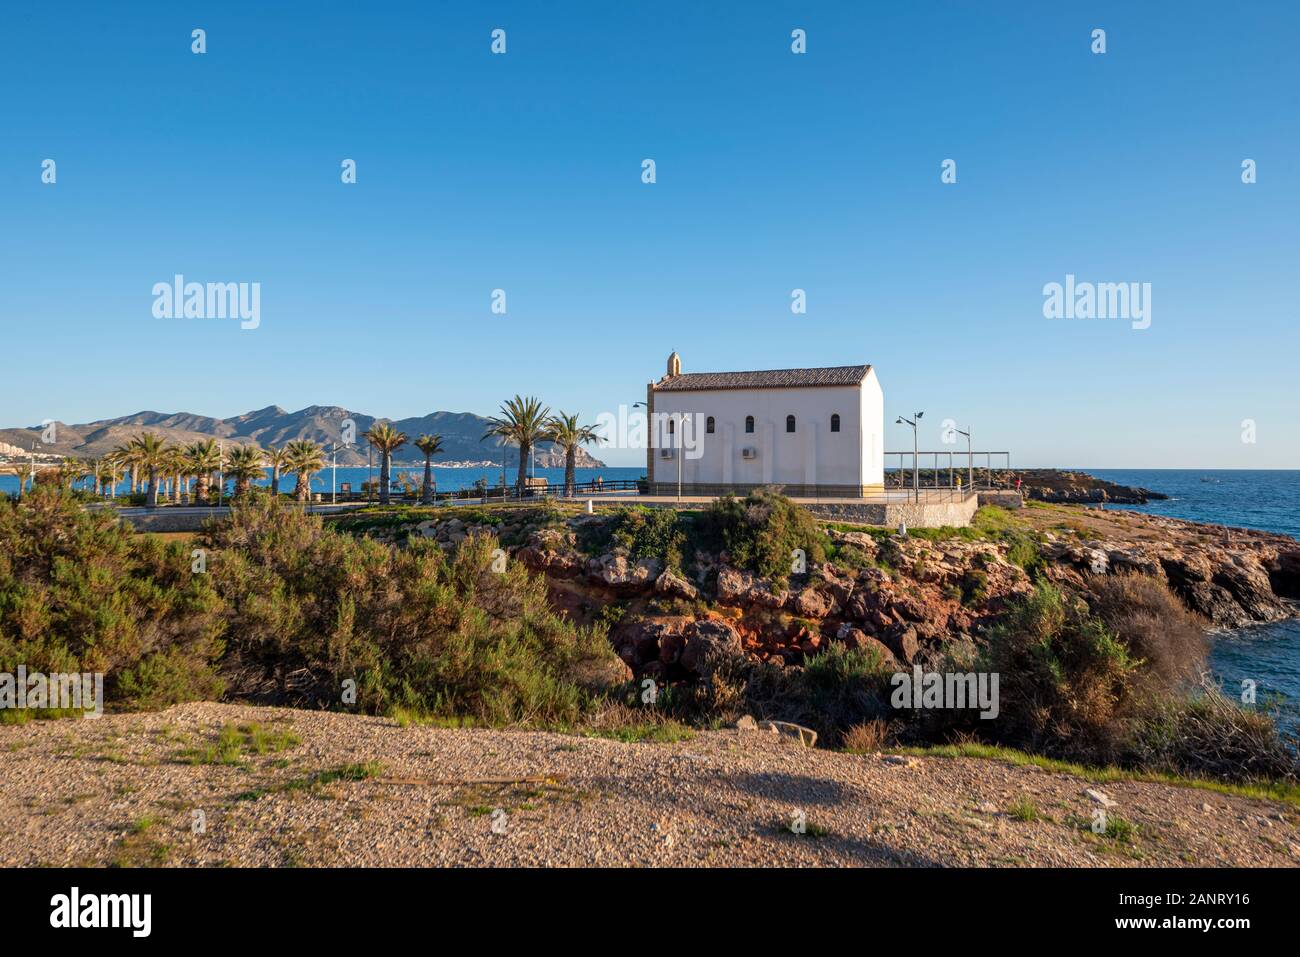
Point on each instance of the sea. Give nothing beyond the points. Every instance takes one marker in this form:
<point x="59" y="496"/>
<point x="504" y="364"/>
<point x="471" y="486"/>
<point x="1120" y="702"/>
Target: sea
<point x="1269" y="655"/>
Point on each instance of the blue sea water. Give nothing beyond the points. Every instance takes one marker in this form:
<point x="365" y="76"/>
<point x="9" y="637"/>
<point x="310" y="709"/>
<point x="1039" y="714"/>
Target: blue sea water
<point x="1269" y="655"/>
<point x="446" y="479"/>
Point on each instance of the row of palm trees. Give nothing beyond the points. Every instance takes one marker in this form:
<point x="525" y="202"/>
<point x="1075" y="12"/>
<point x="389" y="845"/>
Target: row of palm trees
<point x="148" y="460"/>
<point x="525" y="422"/>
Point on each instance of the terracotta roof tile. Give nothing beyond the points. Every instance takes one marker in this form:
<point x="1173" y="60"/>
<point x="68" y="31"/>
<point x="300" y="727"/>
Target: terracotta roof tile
<point x="769" y="379"/>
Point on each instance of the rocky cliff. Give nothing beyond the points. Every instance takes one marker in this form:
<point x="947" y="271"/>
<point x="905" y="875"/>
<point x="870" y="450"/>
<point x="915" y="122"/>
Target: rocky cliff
<point x="912" y="598"/>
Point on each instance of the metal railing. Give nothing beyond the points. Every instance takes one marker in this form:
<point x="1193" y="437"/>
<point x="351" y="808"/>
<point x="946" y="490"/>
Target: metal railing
<point x="946" y="468"/>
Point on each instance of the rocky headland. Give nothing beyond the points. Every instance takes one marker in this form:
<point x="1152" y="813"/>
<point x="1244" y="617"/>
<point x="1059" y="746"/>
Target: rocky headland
<point x="911" y="597"/>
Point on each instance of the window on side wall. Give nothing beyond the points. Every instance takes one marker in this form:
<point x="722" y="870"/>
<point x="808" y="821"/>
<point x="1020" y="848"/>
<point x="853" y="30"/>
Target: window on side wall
<point x="749" y="423"/>
<point x="835" y="422"/>
<point x="789" y="423"/>
<point x="708" y="425"/>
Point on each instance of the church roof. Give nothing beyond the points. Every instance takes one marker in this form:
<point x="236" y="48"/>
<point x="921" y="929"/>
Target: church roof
<point x="768" y="379"/>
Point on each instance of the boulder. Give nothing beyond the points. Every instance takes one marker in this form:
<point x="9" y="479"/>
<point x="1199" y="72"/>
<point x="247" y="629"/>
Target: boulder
<point x="674" y="586"/>
<point x="738" y="587"/>
<point x="859" y="640"/>
<point x="805" y="736"/>
<point x="621" y="574"/>
<point x="814" y="602"/>
<point x="639" y="642"/>
<point x="903" y="641"/>
<point x="706" y="642"/>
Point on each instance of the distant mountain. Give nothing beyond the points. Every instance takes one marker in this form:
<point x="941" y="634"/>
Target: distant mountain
<point x="273" y="426"/>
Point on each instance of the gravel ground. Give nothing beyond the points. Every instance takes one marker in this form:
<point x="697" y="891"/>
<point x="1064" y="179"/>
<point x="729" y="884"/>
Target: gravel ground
<point x="128" y="790"/>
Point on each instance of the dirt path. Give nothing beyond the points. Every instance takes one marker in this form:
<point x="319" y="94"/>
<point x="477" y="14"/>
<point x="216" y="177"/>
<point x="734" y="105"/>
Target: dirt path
<point x="137" y="790"/>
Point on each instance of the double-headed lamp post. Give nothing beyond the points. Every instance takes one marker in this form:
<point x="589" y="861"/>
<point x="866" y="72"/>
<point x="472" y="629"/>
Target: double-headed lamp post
<point x="970" y="463"/>
<point x="916" y="453"/>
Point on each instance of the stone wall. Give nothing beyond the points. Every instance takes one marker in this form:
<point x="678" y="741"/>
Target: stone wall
<point x="893" y="514"/>
<point x="1004" y="498"/>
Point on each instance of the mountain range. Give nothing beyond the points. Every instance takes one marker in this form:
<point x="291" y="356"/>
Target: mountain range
<point x="273" y="426"/>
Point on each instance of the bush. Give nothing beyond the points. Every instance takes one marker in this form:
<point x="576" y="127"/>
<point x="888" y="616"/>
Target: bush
<point x="761" y="532"/>
<point x="1063" y="678"/>
<point x="310" y="608"/>
<point x="833" y="692"/>
<point x="1155" y="626"/>
<point x="649" y="533"/>
<point x="1209" y="735"/>
<point x="80" y="592"/>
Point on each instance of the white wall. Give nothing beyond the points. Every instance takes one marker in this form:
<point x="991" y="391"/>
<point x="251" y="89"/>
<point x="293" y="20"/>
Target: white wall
<point x="873" y="431"/>
<point x="811" y="455"/>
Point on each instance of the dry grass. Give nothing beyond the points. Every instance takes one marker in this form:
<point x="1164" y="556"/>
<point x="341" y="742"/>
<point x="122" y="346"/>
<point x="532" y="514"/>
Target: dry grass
<point x="867" y="737"/>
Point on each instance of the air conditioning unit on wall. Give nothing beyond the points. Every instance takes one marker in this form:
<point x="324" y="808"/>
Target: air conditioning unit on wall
<point x="749" y="452"/>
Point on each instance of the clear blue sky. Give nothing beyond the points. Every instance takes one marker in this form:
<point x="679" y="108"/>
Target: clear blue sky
<point x="775" y="171"/>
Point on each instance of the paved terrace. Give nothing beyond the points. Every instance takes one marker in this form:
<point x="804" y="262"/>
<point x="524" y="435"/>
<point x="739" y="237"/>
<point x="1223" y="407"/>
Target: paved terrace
<point x="931" y="508"/>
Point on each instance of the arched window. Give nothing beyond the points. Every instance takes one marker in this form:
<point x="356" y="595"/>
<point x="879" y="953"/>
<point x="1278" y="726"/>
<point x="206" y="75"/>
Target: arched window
<point x="672" y="426"/>
<point x="789" y="423"/>
<point x="708" y="425"/>
<point x="749" y="423"/>
<point x="835" y="422"/>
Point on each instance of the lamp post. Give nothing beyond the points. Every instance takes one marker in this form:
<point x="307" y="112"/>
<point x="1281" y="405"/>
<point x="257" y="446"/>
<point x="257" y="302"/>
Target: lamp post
<point x="334" y="473"/>
<point x="31" y="469"/>
<point x="916" y="453"/>
<point x="970" y="466"/>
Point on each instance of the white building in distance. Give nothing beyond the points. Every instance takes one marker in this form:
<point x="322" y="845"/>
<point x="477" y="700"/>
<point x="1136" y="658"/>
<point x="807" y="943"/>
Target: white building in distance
<point x="815" y="432"/>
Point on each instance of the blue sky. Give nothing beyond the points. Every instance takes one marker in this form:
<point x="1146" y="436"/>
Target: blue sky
<point x="775" y="171"/>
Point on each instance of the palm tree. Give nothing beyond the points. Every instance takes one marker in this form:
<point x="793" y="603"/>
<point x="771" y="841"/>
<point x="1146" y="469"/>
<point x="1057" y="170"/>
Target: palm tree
<point x="149" y="452"/>
<point x="105" y="475"/>
<point x="173" y="466"/>
<point x="430" y="445"/>
<point x="522" y="421"/>
<point x="124" y="457"/>
<point x="387" y="440"/>
<point x="69" y="471"/>
<point x="278" y="460"/>
<point x="204" y="459"/>
<point x="244" y="464"/>
<point x="306" y="458"/>
<point x="564" y="431"/>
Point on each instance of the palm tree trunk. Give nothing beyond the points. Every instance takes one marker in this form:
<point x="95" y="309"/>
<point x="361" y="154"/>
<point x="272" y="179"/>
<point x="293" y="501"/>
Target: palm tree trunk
<point x="426" y="493"/>
<point x="275" y="480"/>
<point x="385" y="457"/>
<point x="570" y="464"/>
<point x="523" y="466"/>
<point x="152" y="500"/>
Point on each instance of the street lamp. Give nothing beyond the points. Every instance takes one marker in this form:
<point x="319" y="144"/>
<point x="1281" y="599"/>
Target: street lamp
<point x="916" y="453"/>
<point x="31" y="469"/>
<point x="970" y="466"/>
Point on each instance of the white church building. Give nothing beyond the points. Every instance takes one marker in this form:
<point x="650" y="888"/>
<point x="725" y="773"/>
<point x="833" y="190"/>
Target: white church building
<point x="815" y="432"/>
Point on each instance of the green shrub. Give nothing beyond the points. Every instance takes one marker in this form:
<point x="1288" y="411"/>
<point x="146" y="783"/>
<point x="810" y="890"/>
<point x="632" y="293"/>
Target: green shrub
<point x="309" y="609"/>
<point x="761" y="532"/>
<point x="650" y="533"/>
<point x="1063" y="677"/>
<point x="80" y="592"/>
